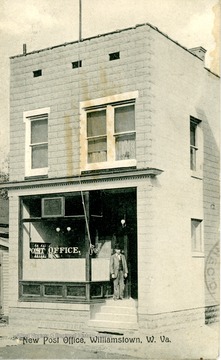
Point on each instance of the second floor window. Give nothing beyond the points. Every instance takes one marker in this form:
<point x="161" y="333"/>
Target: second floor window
<point x="39" y="142"/>
<point x="196" y="145"/>
<point x="36" y="142"/>
<point x="108" y="132"/>
<point x="111" y="134"/>
<point x="193" y="145"/>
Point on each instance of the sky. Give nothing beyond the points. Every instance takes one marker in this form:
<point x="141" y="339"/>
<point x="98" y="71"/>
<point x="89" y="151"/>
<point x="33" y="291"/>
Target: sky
<point x="44" y="23"/>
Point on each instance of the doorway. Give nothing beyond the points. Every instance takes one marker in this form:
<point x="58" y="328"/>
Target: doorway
<point x="117" y="224"/>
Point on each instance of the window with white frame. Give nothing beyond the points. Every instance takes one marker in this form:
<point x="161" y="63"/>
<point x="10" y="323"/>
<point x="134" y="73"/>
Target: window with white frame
<point x="196" y="235"/>
<point x="194" y="143"/>
<point x="36" y="162"/>
<point x="108" y="132"/>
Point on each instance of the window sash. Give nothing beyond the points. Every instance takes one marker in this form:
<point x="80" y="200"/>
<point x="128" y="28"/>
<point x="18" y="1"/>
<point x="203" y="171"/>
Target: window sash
<point x="96" y="123"/>
<point x="124" y="119"/>
<point x="193" y="158"/>
<point x="125" y="145"/>
<point x="39" y="156"/>
<point x="39" y="131"/>
<point x="196" y="235"/>
<point x="97" y="149"/>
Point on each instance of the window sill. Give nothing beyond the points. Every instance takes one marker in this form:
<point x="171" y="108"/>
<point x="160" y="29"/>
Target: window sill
<point x="36" y="173"/>
<point x="36" y="177"/>
<point x="196" y="175"/>
<point x="198" y="255"/>
<point x="110" y="165"/>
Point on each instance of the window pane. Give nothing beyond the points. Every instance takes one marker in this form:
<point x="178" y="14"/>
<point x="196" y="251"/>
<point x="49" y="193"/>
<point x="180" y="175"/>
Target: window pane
<point x="192" y="158"/>
<point x="96" y="123"/>
<point x="196" y="235"/>
<point x="39" y="157"/>
<point x="97" y="150"/>
<point x="124" y="119"/>
<point x="125" y="147"/>
<point x="39" y="131"/>
<point x="192" y="134"/>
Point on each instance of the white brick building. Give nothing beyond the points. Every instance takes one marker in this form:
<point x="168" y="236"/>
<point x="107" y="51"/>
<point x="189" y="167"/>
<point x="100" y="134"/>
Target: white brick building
<point x="127" y="121"/>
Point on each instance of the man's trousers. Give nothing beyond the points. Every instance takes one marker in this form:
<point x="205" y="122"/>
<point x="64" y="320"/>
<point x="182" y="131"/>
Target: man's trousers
<point x="119" y="285"/>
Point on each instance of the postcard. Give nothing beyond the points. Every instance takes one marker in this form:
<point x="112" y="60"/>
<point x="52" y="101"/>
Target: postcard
<point x="109" y="193"/>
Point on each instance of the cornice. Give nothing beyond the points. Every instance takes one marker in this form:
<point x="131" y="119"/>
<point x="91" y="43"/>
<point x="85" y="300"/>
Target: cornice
<point x="87" y="177"/>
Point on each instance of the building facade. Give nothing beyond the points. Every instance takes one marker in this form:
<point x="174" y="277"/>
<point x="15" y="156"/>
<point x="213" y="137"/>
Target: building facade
<point x="113" y="138"/>
<point x="4" y="258"/>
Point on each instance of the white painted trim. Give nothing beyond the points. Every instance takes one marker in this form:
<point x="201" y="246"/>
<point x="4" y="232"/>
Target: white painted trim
<point x="27" y="120"/>
<point x="111" y="162"/>
<point x="109" y="99"/>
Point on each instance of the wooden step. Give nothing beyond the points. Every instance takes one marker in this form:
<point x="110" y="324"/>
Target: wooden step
<point x="110" y="325"/>
<point x="115" y="317"/>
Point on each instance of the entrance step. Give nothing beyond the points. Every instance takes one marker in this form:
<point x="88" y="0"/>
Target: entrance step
<point x="120" y="314"/>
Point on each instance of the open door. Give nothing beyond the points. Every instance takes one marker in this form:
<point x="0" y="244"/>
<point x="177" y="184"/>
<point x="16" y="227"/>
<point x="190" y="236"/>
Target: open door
<point x="116" y="221"/>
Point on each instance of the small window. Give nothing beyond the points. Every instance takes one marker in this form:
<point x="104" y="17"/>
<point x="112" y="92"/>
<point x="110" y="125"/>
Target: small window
<point x="77" y="64"/>
<point x="114" y="56"/>
<point x="196" y="235"/>
<point x="37" y="73"/>
<point x="194" y="143"/>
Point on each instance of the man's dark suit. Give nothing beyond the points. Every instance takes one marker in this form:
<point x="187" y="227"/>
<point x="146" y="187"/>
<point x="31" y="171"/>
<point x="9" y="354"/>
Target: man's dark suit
<point x="118" y="275"/>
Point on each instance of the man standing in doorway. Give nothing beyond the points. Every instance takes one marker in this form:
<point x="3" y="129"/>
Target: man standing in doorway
<point x="119" y="271"/>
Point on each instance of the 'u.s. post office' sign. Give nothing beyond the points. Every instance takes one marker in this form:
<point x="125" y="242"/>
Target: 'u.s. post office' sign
<point x="45" y="251"/>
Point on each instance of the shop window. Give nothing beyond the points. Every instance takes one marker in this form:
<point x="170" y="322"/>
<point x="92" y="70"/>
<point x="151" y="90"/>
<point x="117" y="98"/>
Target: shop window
<point x="36" y="161"/>
<point x="54" y="250"/>
<point x="108" y="132"/>
<point x="52" y="242"/>
<point x="196" y="235"/>
<point x="195" y="144"/>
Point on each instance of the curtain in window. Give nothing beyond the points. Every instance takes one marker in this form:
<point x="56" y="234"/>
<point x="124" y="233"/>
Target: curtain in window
<point x="97" y="150"/>
<point x="125" y="147"/>
<point x="96" y="133"/>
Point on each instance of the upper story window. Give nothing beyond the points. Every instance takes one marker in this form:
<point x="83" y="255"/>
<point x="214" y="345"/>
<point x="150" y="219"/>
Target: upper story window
<point x="36" y="152"/>
<point x="195" y="145"/>
<point x="37" y="73"/>
<point x="196" y="236"/>
<point x="108" y="132"/>
<point x="114" y="56"/>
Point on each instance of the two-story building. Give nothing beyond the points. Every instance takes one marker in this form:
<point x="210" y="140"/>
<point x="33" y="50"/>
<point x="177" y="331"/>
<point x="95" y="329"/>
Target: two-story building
<point x="113" y="138"/>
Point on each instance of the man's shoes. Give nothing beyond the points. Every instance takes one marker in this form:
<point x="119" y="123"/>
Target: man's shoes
<point x="120" y="298"/>
<point x="114" y="298"/>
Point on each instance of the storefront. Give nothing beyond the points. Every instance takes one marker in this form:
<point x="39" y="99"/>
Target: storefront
<point x="66" y="241"/>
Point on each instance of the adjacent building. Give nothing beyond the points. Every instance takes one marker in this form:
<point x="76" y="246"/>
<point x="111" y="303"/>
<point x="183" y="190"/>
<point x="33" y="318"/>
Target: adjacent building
<point x="113" y="138"/>
<point x="4" y="258"/>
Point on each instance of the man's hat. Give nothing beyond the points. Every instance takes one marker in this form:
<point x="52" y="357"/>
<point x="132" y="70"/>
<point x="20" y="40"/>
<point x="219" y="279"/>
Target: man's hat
<point x="117" y="246"/>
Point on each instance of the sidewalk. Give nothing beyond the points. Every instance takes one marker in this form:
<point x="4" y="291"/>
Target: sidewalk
<point x="190" y="343"/>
